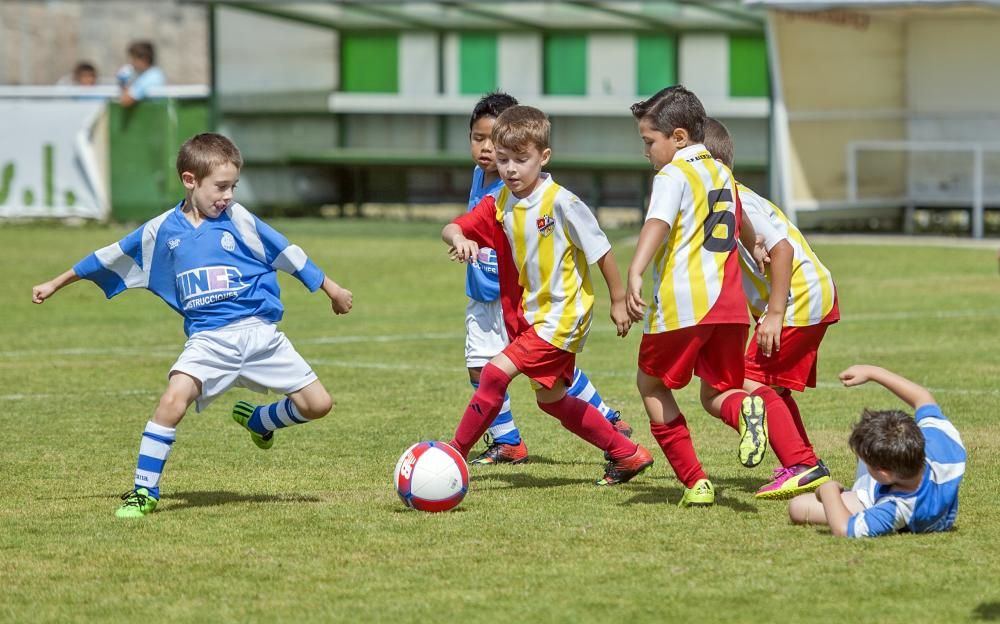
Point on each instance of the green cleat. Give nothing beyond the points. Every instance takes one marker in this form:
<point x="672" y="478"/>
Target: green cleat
<point x="138" y="503"/>
<point x="701" y="494"/>
<point x="753" y="431"/>
<point x="242" y="412"/>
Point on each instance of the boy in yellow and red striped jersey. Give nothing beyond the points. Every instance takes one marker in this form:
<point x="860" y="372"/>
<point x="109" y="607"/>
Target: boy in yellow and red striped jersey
<point x="545" y="238"/>
<point x="698" y="322"/>
<point x="794" y="302"/>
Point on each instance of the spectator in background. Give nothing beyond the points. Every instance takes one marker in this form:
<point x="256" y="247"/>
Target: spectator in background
<point x="139" y="74"/>
<point x="84" y="75"/>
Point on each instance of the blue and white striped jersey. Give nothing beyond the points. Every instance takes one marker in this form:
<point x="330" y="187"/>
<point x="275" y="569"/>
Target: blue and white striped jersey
<point x="217" y="273"/>
<point x="934" y="505"/>
<point x="482" y="281"/>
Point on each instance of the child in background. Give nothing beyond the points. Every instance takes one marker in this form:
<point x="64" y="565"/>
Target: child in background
<point x="485" y="335"/>
<point x="697" y="324"/>
<point x="544" y="239"/>
<point x="794" y="303"/>
<point x="140" y="74"/>
<point x="909" y="473"/>
<point x="215" y="264"/>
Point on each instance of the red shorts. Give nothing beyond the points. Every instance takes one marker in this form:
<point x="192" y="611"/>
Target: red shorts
<point x="540" y="361"/>
<point x="712" y="352"/>
<point x="794" y="365"/>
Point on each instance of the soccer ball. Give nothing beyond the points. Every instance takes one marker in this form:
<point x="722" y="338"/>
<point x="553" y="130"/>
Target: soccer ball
<point x="431" y="476"/>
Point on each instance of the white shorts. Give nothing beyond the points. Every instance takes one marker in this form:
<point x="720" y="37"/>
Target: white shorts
<point x="485" y="334"/>
<point x="250" y="353"/>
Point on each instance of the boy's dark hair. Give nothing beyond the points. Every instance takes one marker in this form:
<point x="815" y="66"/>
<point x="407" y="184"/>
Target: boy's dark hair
<point x="718" y="141"/>
<point x="491" y="105"/>
<point x="142" y="50"/>
<point x="889" y="440"/>
<point x="519" y="126"/>
<point x="84" y="67"/>
<point x="204" y="152"/>
<point x="673" y="107"/>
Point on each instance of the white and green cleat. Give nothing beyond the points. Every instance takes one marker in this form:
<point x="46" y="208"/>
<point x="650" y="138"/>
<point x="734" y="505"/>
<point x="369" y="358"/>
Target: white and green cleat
<point x="242" y="412"/>
<point x="753" y="431"/>
<point x="137" y="504"/>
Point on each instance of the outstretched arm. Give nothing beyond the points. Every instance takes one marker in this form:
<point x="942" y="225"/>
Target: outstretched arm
<point x="837" y="513"/>
<point x="460" y="248"/>
<point x="619" y="314"/>
<point x="45" y="290"/>
<point x="914" y="395"/>
<point x="341" y="299"/>
<point x="653" y="233"/>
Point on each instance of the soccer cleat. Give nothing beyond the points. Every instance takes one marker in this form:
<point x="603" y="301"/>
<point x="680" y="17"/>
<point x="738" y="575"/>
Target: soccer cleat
<point x="625" y="469"/>
<point x="790" y="482"/>
<point x="701" y="494"/>
<point x="242" y="412"/>
<point x="753" y="431"/>
<point x="620" y="425"/>
<point x="500" y="453"/>
<point x="137" y="503"/>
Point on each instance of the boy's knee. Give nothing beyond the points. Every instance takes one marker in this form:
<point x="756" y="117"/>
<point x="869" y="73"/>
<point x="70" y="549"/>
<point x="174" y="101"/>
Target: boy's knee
<point x="798" y="509"/>
<point x="171" y="409"/>
<point x="317" y="406"/>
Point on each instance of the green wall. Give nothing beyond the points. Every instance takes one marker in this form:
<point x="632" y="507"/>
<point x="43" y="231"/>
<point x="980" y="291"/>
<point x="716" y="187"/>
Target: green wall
<point x="144" y="141"/>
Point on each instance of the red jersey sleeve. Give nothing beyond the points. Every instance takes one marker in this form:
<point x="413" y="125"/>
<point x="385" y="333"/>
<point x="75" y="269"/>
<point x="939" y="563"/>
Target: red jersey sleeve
<point x="480" y="223"/>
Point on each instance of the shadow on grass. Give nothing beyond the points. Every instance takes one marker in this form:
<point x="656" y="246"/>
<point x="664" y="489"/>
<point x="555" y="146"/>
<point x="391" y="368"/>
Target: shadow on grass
<point x="184" y="500"/>
<point x="522" y="480"/>
<point x="986" y="611"/>
<point x="653" y="494"/>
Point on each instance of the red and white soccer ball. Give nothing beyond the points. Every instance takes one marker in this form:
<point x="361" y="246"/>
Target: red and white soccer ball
<point x="431" y="476"/>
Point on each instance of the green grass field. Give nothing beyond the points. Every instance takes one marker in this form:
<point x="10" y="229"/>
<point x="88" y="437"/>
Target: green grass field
<point x="313" y="531"/>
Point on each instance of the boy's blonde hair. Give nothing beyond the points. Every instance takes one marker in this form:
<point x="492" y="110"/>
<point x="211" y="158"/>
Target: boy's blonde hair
<point x="204" y="152"/>
<point x="520" y="126"/>
<point x="718" y="141"/>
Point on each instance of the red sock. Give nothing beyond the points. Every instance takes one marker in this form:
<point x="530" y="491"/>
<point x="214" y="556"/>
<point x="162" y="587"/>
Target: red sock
<point x="483" y="408"/>
<point x="674" y="439"/>
<point x="731" y="409"/>
<point x="783" y="435"/>
<point x="793" y="409"/>
<point x="586" y="421"/>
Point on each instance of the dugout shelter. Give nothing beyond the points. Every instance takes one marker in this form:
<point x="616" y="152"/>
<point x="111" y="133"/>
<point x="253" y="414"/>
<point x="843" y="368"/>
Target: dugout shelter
<point x="349" y="102"/>
<point x="884" y="105"/>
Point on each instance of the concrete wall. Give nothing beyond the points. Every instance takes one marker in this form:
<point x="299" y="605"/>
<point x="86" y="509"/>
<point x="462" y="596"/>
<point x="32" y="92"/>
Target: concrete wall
<point x="40" y="42"/>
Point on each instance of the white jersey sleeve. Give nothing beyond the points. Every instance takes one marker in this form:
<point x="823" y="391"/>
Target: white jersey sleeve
<point x="583" y="228"/>
<point x="666" y="199"/>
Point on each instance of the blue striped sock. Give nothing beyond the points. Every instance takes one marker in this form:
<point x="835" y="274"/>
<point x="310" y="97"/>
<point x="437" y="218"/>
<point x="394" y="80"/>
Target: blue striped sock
<point x="275" y="416"/>
<point x="585" y="391"/>
<point x="502" y="429"/>
<point x="154" y="449"/>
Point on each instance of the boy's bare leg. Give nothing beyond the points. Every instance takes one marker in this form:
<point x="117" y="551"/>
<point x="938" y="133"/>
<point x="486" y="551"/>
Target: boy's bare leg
<point x="807" y="509"/>
<point x="157" y="440"/>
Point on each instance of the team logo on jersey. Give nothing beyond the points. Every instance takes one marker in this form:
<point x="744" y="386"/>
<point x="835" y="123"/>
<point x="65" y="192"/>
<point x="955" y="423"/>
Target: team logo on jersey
<point x="228" y="242"/>
<point x="205" y="285"/>
<point x="173" y="243"/>
<point x="545" y="225"/>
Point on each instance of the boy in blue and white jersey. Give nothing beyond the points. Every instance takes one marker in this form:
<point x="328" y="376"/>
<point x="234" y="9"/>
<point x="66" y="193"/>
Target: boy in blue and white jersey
<point x="215" y="264"/>
<point x="485" y="335"/>
<point x="909" y="472"/>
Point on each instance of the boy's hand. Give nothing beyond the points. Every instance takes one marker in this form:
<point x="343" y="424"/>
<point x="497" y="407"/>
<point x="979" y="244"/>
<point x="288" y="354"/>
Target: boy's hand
<point x="856" y="375"/>
<point x="464" y="250"/>
<point x="620" y="317"/>
<point x="760" y="255"/>
<point x="769" y="333"/>
<point x="341" y="300"/>
<point x="634" y="304"/>
<point x="42" y="292"/>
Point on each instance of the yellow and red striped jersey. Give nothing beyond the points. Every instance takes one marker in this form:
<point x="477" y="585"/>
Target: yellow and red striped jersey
<point x="812" y="297"/>
<point x="695" y="270"/>
<point x="554" y="237"/>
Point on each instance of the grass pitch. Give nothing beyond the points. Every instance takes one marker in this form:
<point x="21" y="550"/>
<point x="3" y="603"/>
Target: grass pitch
<point x="312" y="530"/>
